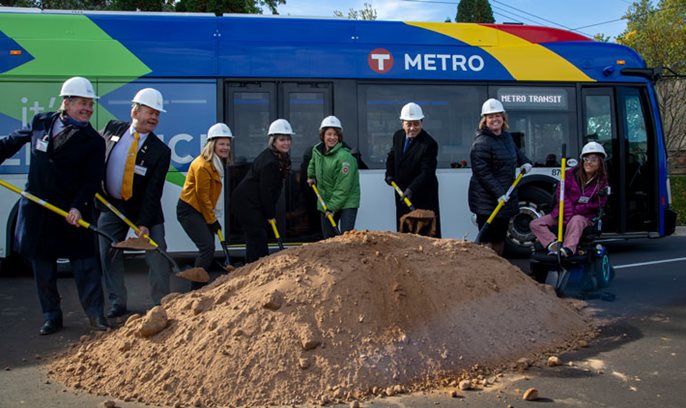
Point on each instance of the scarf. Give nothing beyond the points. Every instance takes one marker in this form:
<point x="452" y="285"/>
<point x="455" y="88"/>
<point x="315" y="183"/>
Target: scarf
<point x="218" y="165"/>
<point x="284" y="160"/>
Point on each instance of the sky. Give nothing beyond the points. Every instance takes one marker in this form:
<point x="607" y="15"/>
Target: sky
<point x="587" y="17"/>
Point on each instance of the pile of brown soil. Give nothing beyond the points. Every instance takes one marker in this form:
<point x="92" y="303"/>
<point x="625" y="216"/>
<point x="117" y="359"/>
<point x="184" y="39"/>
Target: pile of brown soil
<point x="362" y="314"/>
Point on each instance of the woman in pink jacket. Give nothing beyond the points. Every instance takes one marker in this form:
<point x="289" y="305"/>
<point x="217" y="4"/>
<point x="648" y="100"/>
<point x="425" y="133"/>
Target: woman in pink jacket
<point x="583" y="184"/>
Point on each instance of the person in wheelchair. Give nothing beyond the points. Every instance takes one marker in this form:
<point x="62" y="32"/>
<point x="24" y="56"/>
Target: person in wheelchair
<point x="583" y="199"/>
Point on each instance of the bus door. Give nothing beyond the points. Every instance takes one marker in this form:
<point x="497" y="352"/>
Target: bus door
<point x="250" y="106"/>
<point x="616" y="118"/>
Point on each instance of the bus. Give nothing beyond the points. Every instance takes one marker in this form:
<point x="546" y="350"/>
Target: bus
<point x="558" y="87"/>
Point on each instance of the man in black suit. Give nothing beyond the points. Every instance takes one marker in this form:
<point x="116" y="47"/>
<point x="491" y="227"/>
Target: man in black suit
<point x="136" y="165"/>
<point x="411" y="163"/>
<point x="67" y="160"/>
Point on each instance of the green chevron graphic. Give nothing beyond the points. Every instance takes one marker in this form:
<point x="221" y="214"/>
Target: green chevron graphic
<point x="67" y="46"/>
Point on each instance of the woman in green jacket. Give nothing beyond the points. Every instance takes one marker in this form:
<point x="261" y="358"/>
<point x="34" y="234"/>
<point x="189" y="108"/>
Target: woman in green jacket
<point x="334" y="170"/>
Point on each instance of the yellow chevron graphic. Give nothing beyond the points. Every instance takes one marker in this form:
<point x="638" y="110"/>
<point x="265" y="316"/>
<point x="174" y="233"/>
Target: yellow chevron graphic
<point x="524" y="60"/>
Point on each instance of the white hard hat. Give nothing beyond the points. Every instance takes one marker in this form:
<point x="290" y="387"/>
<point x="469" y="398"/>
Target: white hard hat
<point x="593" y="147"/>
<point x="151" y="98"/>
<point x="492" y="106"/>
<point x="219" y="130"/>
<point x="331" y="122"/>
<point x="411" y="111"/>
<point x="78" y="86"/>
<point x="280" y="127"/>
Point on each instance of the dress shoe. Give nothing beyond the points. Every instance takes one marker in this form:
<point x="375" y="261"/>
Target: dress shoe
<point x="99" y="323"/>
<point x="117" y="311"/>
<point x="50" y="326"/>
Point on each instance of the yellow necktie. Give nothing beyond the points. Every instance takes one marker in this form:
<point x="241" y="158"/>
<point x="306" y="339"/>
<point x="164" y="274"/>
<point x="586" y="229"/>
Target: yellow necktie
<point x="127" y="182"/>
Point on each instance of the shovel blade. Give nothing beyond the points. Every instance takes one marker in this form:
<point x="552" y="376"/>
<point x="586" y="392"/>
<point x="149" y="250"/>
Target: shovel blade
<point x="194" y="275"/>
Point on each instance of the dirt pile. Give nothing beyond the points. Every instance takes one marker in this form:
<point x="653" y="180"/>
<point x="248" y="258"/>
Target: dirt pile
<point x="361" y="314"/>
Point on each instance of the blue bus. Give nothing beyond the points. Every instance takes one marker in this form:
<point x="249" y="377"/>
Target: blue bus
<point x="558" y="88"/>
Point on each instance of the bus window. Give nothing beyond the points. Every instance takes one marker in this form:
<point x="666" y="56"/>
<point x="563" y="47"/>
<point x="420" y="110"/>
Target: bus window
<point x="251" y="108"/>
<point x="305" y="107"/>
<point x="638" y="174"/>
<point x="451" y="117"/>
<point x="544" y="119"/>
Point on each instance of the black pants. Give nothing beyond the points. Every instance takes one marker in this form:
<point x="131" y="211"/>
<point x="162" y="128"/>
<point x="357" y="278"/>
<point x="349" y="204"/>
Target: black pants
<point x="256" y="230"/>
<point x="199" y="232"/>
<point x="496" y="232"/>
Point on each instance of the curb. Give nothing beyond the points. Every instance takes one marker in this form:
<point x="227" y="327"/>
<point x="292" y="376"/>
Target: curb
<point x="680" y="231"/>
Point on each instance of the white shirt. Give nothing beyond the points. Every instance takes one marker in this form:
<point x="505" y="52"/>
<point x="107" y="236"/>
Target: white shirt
<point x="117" y="161"/>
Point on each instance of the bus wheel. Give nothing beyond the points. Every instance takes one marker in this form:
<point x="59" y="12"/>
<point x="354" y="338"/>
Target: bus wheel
<point x="534" y="202"/>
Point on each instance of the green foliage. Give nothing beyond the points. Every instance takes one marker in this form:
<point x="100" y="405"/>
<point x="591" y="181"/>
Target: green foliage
<point x="678" y="184"/>
<point x="200" y="6"/>
<point x="474" y="11"/>
<point x="658" y="33"/>
<point x="366" y="13"/>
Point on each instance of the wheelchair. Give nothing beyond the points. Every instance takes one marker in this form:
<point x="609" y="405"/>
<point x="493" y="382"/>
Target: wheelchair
<point x="590" y="267"/>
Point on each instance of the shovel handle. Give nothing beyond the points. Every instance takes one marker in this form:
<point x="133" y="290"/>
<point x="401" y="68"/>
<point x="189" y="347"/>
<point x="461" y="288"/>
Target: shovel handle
<point x="563" y="168"/>
<point x="276" y="232"/>
<point x="123" y="218"/>
<point x="52" y="208"/>
<point x="402" y="195"/>
<point x="323" y="204"/>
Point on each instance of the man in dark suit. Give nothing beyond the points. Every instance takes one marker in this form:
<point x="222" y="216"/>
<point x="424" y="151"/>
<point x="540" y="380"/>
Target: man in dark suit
<point x="136" y="165"/>
<point x="411" y="163"/>
<point x="67" y="161"/>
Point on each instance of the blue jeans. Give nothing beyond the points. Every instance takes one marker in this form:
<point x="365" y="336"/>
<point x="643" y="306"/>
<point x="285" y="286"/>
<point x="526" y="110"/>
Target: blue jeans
<point x="87" y="278"/>
<point x="113" y="261"/>
<point x="345" y="220"/>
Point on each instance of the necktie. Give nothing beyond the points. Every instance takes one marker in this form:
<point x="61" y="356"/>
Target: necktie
<point x="127" y="181"/>
<point x="407" y="144"/>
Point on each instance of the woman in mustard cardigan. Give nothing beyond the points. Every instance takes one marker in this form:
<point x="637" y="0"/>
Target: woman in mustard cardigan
<point x="195" y="210"/>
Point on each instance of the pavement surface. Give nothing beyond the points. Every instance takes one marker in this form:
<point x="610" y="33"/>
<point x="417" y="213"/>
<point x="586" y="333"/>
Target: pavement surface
<point x="638" y="360"/>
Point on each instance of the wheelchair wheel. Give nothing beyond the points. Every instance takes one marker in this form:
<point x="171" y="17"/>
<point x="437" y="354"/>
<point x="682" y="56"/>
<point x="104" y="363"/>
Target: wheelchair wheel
<point x="603" y="271"/>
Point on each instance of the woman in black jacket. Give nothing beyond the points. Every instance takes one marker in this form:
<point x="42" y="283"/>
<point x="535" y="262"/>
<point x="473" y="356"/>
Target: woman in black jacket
<point x="254" y="199"/>
<point x="494" y="158"/>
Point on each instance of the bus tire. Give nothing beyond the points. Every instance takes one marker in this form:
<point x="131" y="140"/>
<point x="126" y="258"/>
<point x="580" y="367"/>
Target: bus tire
<point x="534" y="202"/>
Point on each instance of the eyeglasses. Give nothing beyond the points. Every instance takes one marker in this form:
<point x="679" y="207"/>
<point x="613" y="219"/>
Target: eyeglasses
<point x="588" y="159"/>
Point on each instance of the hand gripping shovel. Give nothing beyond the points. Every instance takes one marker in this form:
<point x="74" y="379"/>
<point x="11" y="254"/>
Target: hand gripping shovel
<point x="325" y="208"/>
<point x="54" y="209"/>
<point x="500" y="205"/>
<point x="276" y="233"/>
<point x="227" y="261"/>
<point x="192" y="274"/>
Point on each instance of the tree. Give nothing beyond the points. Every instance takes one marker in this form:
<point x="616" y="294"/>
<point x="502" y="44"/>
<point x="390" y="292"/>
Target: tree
<point x="367" y="13"/>
<point x="202" y="6"/>
<point x="228" y="6"/>
<point x="474" y="11"/>
<point x="658" y="33"/>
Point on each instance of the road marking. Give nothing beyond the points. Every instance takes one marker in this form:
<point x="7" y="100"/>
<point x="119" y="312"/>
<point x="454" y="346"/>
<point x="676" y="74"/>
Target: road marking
<point x="649" y="263"/>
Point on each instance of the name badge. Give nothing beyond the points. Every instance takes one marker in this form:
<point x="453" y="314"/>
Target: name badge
<point x="42" y="145"/>
<point x="114" y="138"/>
<point x="140" y="170"/>
<point x="584" y="199"/>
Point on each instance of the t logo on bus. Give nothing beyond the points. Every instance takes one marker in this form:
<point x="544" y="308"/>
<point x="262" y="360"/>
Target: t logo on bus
<point x="380" y="60"/>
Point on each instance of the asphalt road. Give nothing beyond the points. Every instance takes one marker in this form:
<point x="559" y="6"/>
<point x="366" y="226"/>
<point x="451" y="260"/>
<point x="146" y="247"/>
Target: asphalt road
<point x="639" y="359"/>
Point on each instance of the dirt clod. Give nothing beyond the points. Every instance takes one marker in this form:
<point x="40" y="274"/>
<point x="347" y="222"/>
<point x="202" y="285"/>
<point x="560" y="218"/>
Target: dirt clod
<point x="530" y="395"/>
<point x="154" y="322"/>
<point x="352" y="331"/>
<point x="554" y="361"/>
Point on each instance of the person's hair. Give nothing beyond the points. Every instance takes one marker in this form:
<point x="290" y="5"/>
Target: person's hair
<point x="63" y="105"/>
<point x="338" y="132"/>
<point x="600" y="174"/>
<point x="482" y="122"/>
<point x="208" y="151"/>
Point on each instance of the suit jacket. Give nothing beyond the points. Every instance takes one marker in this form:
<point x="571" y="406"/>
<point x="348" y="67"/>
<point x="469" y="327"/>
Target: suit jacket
<point x="66" y="176"/>
<point x="145" y="205"/>
<point x="415" y="169"/>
